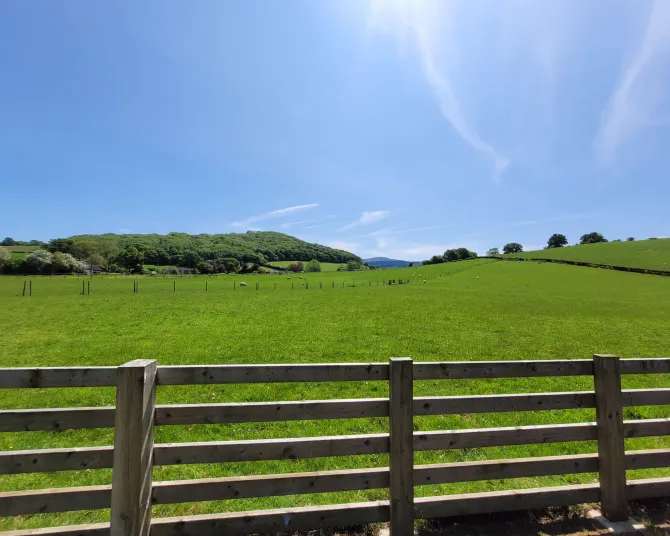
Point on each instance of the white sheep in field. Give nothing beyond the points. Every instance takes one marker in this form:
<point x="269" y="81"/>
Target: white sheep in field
<point x="424" y="281"/>
<point x="243" y="284"/>
<point x="288" y="277"/>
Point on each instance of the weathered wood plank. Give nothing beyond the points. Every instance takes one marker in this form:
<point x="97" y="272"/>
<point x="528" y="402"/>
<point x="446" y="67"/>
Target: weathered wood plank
<point x="269" y="449"/>
<point x="645" y="397"/>
<point x="243" y="487"/>
<point x="451" y="405"/>
<point x="271" y="411"/>
<point x="96" y="529"/>
<point x="646" y="427"/>
<point x="272" y="521"/>
<point x="498" y="437"/>
<point x="23" y="378"/>
<point x="647" y="459"/>
<point x="504" y="501"/>
<point x="609" y="419"/>
<point x="647" y="365"/>
<point x="29" y="420"/>
<point x="221" y="374"/>
<point x="401" y="456"/>
<point x="133" y="449"/>
<point x="464" y="370"/>
<point x="648" y="488"/>
<point x="445" y="473"/>
<point x="48" y="460"/>
<point x="46" y="501"/>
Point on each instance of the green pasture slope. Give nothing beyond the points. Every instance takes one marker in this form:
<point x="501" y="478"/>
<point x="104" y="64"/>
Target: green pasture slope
<point x="472" y="310"/>
<point x="648" y="254"/>
<point x="325" y="266"/>
<point x="19" y="252"/>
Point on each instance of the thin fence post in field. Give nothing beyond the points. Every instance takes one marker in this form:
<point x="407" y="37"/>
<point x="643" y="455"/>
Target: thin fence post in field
<point x="82" y="288"/>
<point x="24" y="288"/>
<point x="401" y="456"/>
<point x="611" y="450"/>
<point x="206" y="285"/>
<point x="174" y="286"/>
<point x="31" y="287"/>
<point x="133" y="448"/>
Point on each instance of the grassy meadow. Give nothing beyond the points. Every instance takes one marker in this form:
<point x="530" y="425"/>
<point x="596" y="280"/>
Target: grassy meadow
<point x="325" y="266"/>
<point x="20" y="252"/>
<point x="471" y="310"/>
<point x="649" y="254"/>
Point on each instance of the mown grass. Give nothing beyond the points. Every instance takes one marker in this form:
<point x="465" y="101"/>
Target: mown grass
<point x="649" y="254"/>
<point x="325" y="266"/>
<point x="20" y="252"/>
<point x="465" y="311"/>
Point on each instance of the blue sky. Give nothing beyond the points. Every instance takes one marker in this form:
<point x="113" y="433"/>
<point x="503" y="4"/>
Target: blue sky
<point x="396" y="128"/>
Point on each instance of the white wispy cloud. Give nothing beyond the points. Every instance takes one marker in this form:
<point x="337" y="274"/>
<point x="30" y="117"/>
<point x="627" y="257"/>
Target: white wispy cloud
<point x="273" y="214"/>
<point x="391" y="231"/>
<point x="346" y="246"/>
<point x="366" y="218"/>
<point x="316" y="226"/>
<point x="427" y="21"/>
<point x="290" y="224"/>
<point x="641" y="90"/>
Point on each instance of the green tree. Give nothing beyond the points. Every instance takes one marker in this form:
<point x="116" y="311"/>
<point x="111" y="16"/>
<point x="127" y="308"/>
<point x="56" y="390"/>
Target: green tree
<point x="313" y="266"/>
<point x="512" y="247"/>
<point x="9" y="241"/>
<point x="592" y="238"/>
<point x="64" y="263"/>
<point x="39" y="261"/>
<point x="493" y="252"/>
<point x="131" y="259"/>
<point x="5" y="255"/>
<point x="449" y="256"/>
<point x="410" y="265"/>
<point x="630" y="239"/>
<point x="231" y="265"/>
<point x="557" y="241"/>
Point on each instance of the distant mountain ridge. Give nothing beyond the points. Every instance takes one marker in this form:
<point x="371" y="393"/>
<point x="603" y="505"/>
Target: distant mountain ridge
<point x="385" y="262"/>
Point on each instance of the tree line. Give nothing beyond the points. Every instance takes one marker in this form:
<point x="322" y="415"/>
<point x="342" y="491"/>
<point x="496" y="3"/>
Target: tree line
<point x="204" y="253"/>
<point x="452" y="255"/>
<point x="556" y="240"/>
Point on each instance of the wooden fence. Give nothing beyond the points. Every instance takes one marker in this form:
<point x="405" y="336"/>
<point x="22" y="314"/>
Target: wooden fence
<point x="134" y="453"/>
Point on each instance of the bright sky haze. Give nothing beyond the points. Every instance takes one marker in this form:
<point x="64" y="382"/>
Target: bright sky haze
<point x="387" y="128"/>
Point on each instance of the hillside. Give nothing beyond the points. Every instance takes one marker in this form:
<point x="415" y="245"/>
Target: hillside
<point x="648" y="254"/>
<point x="385" y="262"/>
<point x="181" y="248"/>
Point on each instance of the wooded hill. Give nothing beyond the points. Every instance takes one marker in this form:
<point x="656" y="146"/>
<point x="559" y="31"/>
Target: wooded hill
<point x="183" y="249"/>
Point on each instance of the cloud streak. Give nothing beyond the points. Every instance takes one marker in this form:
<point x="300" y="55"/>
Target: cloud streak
<point x="366" y="219"/>
<point x="424" y="20"/>
<point x="639" y="92"/>
<point x="279" y="213"/>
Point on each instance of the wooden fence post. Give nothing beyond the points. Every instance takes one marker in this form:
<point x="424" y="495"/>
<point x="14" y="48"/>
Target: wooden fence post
<point x="133" y="448"/>
<point x="401" y="459"/>
<point x="611" y="450"/>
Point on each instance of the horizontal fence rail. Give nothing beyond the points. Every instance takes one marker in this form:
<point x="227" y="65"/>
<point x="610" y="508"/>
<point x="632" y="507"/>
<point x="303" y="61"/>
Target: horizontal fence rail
<point x="606" y="371"/>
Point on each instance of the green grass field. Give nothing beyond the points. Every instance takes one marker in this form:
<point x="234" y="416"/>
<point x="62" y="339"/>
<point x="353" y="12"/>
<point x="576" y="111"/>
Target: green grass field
<point x="325" y="266"/>
<point x="472" y="310"/>
<point x="20" y="252"/>
<point x="649" y="254"/>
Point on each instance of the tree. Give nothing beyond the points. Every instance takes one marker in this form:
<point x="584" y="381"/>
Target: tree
<point x="557" y="241"/>
<point x="5" y="255"/>
<point x="512" y="247"/>
<point x="493" y="252"/>
<point x="450" y="255"/>
<point x="313" y="266"/>
<point x="131" y="259"/>
<point x="231" y="265"/>
<point x="352" y="266"/>
<point x="630" y="239"/>
<point x="295" y="268"/>
<point x="64" y="263"/>
<point x="592" y="238"/>
<point x="410" y="265"/>
<point x="39" y="260"/>
<point x="8" y="242"/>
<point x="436" y="259"/>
